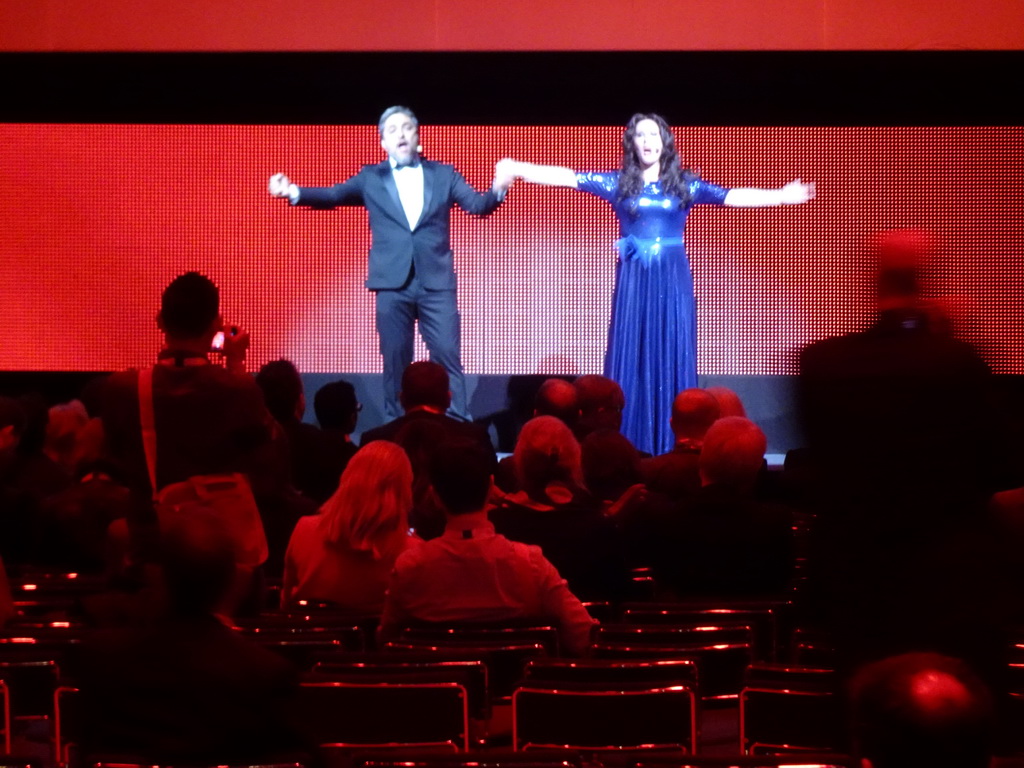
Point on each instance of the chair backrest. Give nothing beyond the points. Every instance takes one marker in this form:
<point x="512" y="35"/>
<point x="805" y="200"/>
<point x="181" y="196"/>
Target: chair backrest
<point x="601" y="717"/>
<point x="47" y="594"/>
<point x="787" y="708"/>
<point x="766" y="618"/>
<point x="304" y="644"/>
<point x="5" y="716"/>
<point x="536" y="758"/>
<point x="32" y="654"/>
<point x="612" y="672"/>
<point x="722" y="652"/>
<point x="490" y="758"/>
<point x="67" y="724"/>
<point x="504" y="661"/>
<point x="345" y="715"/>
<point x="395" y="667"/>
<point x="485" y="633"/>
<point x="811" y="646"/>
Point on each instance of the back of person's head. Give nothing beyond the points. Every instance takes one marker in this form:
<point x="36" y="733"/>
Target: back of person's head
<point x="920" y="709"/>
<point x="729" y="403"/>
<point x="611" y="464"/>
<point x="370" y="508"/>
<point x="733" y="453"/>
<point x="64" y="426"/>
<point x="557" y="397"/>
<point x="189" y="307"/>
<point x="547" y="452"/>
<point x="425" y="384"/>
<point x="336" y="406"/>
<point x="460" y="471"/>
<point x="198" y="561"/>
<point x="900" y="256"/>
<point x="281" y="384"/>
<point x="601" y="401"/>
<point x="693" y="412"/>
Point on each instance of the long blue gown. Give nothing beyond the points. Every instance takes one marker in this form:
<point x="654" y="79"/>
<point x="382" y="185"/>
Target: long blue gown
<point x="652" y="338"/>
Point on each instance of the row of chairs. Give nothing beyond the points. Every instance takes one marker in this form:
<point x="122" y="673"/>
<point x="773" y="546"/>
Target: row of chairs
<point x="592" y="705"/>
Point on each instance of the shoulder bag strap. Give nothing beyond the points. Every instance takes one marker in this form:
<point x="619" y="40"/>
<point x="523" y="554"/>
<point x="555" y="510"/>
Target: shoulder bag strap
<point x="148" y="423"/>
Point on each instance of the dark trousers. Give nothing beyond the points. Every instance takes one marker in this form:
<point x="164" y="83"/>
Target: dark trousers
<point x="438" y="315"/>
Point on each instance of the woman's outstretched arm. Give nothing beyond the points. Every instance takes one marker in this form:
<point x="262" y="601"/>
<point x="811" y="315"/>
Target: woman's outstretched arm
<point x="552" y="175"/>
<point x="794" y="193"/>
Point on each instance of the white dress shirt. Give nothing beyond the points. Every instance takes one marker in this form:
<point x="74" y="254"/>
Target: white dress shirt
<point x="409" y="180"/>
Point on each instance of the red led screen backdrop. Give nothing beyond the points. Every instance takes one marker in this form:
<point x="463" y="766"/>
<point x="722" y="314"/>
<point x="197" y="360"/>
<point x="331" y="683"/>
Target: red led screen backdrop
<point x="96" y="219"/>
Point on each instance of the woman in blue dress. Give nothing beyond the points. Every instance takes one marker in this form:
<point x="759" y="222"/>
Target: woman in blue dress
<point x="652" y="338"/>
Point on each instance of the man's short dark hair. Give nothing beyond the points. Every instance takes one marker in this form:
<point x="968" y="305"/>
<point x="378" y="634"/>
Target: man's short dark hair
<point x="601" y="401"/>
<point x="282" y="388"/>
<point x="335" y="405"/>
<point x="921" y="709"/>
<point x="460" y="471"/>
<point x="425" y="383"/>
<point x="189" y="306"/>
<point x="395" y="110"/>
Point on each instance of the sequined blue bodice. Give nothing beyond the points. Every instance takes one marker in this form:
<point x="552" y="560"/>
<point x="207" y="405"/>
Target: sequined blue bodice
<point x="652" y="216"/>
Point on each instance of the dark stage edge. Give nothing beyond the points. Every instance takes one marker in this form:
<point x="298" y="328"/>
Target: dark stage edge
<point x="505" y="401"/>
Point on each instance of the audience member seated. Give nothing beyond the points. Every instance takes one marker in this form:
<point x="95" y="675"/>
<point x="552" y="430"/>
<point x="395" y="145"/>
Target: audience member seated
<point x="315" y="464"/>
<point x="71" y="436"/>
<point x="337" y="413"/>
<point x="75" y="521"/>
<point x="600" y="402"/>
<point x="425" y="398"/>
<point x="555" y="397"/>
<point x="208" y="419"/>
<point x="345" y="554"/>
<point x="729" y="403"/>
<point x="471" y="573"/>
<point x="186" y="689"/>
<point x="723" y="542"/>
<point x="920" y="709"/>
<point x="27" y="478"/>
<point x="611" y="470"/>
<point x="676" y="473"/>
<point x="555" y="511"/>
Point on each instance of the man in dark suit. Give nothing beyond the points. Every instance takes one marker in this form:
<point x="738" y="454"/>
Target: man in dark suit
<point x="899" y="432"/>
<point x="411" y="266"/>
<point x="425" y="396"/>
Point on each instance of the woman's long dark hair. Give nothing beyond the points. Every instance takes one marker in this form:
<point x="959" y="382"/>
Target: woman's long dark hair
<point x="674" y="179"/>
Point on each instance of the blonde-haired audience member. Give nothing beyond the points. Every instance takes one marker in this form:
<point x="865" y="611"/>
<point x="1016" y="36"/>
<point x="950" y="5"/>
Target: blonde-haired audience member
<point x="344" y="555"/>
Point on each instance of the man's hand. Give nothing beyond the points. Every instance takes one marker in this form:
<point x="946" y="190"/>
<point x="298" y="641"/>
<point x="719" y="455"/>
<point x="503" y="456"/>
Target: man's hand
<point x="279" y="185"/>
<point x="236" y="344"/>
<point x="504" y="174"/>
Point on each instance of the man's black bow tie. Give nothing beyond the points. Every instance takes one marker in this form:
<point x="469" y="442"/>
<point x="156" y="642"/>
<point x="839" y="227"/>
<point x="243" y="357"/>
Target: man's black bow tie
<point x="414" y="163"/>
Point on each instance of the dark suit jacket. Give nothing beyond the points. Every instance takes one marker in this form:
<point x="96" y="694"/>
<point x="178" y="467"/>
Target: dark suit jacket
<point x="395" y="249"/>
<point x="440" y="424"/>
<point x="675" y="474"/>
